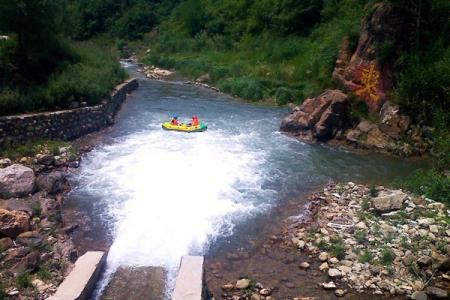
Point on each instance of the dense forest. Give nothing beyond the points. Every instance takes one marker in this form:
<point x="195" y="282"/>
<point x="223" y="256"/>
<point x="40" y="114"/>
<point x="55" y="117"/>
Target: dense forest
<point x="55" y="54"/>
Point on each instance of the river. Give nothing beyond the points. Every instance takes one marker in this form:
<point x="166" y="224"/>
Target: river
<point x="157" y="195"/>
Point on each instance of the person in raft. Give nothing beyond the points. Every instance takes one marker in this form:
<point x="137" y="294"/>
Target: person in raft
<point x="175" y="120"/>
<point x="195" y="121"/>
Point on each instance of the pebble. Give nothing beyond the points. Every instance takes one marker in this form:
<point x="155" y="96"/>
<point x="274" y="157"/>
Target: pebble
<point x="242" y="284"/>
<point x="324" y="267"/>
<point x="339" y="292"/>
<point x="304" y="265"/>
<point x="323" y="256"/>
<point x="434" y="228"/>
<point x="334" y="273"/>
<point x="329" y="285"/>
<point x="333" y="260"/>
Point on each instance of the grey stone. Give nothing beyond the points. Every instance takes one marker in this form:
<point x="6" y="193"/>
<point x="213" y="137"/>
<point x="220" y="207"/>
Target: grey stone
<point x="389" y="202"/>
<point x="436" y="293"/>
<point x="419" y="295"/>
<point x="54" y="182"/>
<point x="16" y="181"/>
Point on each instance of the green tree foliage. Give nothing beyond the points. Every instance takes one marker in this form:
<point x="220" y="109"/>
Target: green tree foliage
<point x="35" y="48"/>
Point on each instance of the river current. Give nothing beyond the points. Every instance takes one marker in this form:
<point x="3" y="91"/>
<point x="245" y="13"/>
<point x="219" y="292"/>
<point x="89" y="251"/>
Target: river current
<point x="160" y="195"/>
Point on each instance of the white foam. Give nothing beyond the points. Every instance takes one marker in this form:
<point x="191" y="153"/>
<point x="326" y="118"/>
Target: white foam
<point x="167" y="193"/>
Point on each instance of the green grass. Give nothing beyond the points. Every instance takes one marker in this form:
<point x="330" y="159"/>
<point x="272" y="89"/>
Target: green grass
<point x="32" y="148"/>
<point x="337" y="248"/>
<point x="366" y="257"/>
<point x="387" y="256"/>
<point x="23" y="280"/>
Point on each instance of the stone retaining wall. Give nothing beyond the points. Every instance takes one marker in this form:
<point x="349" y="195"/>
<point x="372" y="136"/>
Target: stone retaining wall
<point x="64" y="124"/>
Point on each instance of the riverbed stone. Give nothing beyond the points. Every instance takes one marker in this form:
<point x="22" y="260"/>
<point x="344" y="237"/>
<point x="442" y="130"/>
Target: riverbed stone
<point x="16" y="204"/>
<point x="13" y="223"/>
<point x="136" y="283"/>
<point x="324" y="267"/>
<point x="323" y="256"/>
<point x="16" y="181"/>
<point x="304" y="265"/>
<point x="339" y="292"/>
<point x="329" y="285"/>
<point x="424" y="261"/>
<point x="389" y="201"/>
<point x="436" y="293"/>
<point x="242" y="284"/>
<point x="419" y="295"/>
<point x="53" y="182"/>
<point x="334" y="273"/>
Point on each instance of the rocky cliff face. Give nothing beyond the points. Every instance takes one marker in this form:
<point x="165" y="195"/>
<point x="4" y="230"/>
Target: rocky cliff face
<point x="367" y="72"/>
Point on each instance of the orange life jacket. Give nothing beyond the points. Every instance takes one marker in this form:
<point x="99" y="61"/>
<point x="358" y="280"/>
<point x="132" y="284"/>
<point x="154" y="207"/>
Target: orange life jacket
<point x="174" y="122"/>
<point x="195" y="122"/>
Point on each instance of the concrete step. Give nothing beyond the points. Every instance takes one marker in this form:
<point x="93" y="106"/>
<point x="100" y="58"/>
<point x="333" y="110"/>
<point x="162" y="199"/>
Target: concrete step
<point x="137" y="283"/>
<point x="81" y="281"/>
<point x="189" y="283"/>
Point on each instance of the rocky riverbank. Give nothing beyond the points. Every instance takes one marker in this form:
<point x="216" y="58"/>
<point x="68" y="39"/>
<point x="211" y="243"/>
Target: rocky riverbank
<point x="36" y="250"/>
<point x="356" y="241"/>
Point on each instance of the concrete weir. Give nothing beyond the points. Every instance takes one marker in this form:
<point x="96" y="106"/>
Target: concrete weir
<point x="81" y="281"/>
<point x="189" y="283"/>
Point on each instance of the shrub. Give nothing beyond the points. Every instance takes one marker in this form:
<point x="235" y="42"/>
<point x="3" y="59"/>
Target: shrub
<point x="244" y="87"/>
<point x="387" y="256"/>
<point x="337" y="248"/>
<point x="23" y="280"/>
<point x="366" y="257"/>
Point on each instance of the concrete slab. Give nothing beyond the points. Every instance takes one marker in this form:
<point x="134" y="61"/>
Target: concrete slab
<point x="138" y="283"/>
<point x="81" y="281"/>
<point x="189" y="284"/>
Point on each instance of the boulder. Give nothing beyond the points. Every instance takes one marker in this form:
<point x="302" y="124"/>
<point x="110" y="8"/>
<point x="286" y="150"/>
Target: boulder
<point x="424" y="261"/>
<point x="30" y="238"/>
<point x="45" y="159"/>
<point x="444" y="265"/>
<point x="436" y="293"/>
<point x="419" y="295"/>
<point x="16" y="181"/>
<point x="29" y="262"/>
<point x="54" y="182"/>
<point x="319" y="118"/>
<point x="16" y="204"/>
<point x="12" y="223"/>
<point x="5" y="244"/>
<point x="387" y="202"/>
<point x="4" y="162"/>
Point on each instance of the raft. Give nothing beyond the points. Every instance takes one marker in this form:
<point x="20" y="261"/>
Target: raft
<point x="184" y="127"/>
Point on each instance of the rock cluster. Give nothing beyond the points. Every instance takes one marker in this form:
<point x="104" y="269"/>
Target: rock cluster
<point x="379" y="240"/>
<point x="326" y="119"/>
<point x="245" y="289"/>
<point x="153" y="72"/>
<point x="35" y="252"/>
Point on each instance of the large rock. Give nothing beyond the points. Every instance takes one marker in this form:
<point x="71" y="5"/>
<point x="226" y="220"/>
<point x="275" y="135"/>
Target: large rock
<point x="16" y="181"/>
<point x="16" y="204"/>
<point x="30" y="238"/>
<point x="12" y="223"/>
<point x="436" y="293"/>
<point x="318" y="118"/>
<point x="387" y="202"/>
<point x="54" y="182"/>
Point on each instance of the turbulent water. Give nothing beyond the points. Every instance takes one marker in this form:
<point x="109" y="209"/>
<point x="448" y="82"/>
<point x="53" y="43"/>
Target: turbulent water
<point x="161" y="194"/>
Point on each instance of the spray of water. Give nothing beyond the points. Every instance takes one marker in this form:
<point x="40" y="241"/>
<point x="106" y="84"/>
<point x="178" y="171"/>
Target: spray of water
<point x="165" y="194"/>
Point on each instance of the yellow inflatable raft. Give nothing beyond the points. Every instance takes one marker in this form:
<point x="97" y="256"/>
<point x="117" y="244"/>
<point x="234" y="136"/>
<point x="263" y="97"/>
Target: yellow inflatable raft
<point x="184" y="127"/>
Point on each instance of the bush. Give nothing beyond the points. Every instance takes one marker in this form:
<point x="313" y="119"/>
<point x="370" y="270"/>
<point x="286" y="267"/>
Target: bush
<point x="366" y="257"/>
<point x="23" y="280"/>
<point x="244" y="87"/>
<point x="387" y="257"/>
<point x="430" y="183"/>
